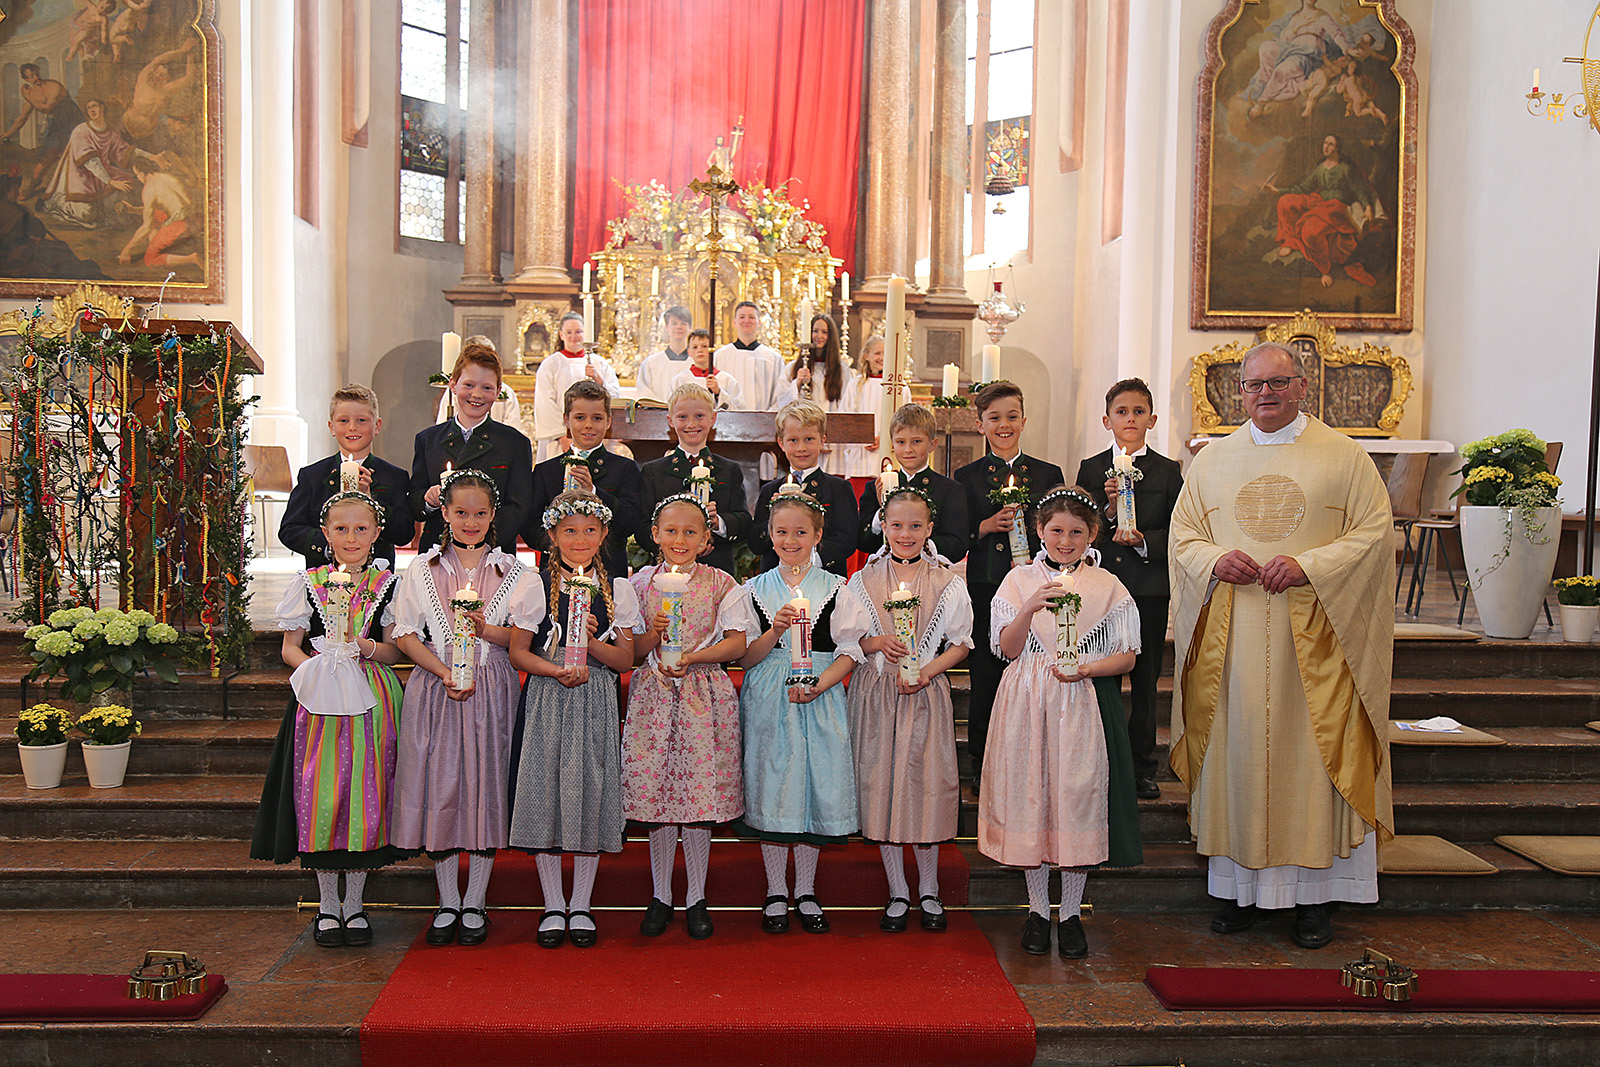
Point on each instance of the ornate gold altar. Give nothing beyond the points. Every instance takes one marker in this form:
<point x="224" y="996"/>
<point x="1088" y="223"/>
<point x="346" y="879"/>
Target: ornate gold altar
<point x="1358" y="391"/>
<point x="660" y="255"/>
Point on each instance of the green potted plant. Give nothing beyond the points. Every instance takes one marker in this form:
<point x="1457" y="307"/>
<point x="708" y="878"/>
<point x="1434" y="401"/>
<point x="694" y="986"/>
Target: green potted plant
<point x="42" y="745"/>
<point x="1579" y="600"/>
<point x="1509" y="529"/>
<point x="97" y="654"/>
<point x="108" y="732"/>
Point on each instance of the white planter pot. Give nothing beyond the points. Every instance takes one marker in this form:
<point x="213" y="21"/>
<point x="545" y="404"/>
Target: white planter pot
<point x="1509" y="564"/>
<point x="1578" y="622"/>
<point x="42" y="764"/>
<point x="107" y="764"/>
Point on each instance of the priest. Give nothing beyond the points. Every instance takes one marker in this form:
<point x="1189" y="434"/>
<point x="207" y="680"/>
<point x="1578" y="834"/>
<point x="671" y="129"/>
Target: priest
<point x="1282" y="562"/>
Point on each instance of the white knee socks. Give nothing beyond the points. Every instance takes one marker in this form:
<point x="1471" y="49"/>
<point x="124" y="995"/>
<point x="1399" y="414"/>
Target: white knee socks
<point x="805" y="877"/>
<point x="478" y="871"/>
<point x="584" y="868"/>
<point x="548" y="865"/>
<point x="663" y="846"/>
<point x="328" y="891"/>
<point x="894" y="866"/>
<point x="445" y="872"/>
<point x="354" y="883"/>
<point x="776" y="860"/>
<point x="697" y="859"/>
<point x="928" y="876"/>
<point x="1073" y="879"/>
<point x="1038" y="879"/>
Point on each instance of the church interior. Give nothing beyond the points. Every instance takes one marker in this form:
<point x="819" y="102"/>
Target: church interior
<point x="216" y="216"/>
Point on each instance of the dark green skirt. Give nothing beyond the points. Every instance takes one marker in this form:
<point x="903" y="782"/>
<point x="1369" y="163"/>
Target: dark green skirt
<point x="1122" y="803"/>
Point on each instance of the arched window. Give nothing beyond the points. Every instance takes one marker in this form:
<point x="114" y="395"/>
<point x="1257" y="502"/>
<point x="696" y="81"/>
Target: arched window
<point x="1000" y="75"/>
<point x="433" y="101"/>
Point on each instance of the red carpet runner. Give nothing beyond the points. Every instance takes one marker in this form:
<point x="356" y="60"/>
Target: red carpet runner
<point x="95" y="998"/>
<point x="1297" y="989"/>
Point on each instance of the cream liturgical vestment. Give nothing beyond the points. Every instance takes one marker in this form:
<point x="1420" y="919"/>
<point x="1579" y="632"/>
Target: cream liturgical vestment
<point x="1280" y="710"/>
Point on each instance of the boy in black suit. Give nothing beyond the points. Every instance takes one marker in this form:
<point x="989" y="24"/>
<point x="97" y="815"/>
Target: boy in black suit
<point x="353" y="420"/>
<point x="1139" y="557"/>
<point x="911" y="435"/>
<point x="613" y="478"/>
<point x="802" y="431"/>
<point x="474" y="441"/>
<point x="692" y="413"/>
<point x="1001" y="418"/>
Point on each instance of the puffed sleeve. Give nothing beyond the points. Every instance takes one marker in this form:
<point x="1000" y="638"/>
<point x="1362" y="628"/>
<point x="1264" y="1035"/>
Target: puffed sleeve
<point x="525" y="608"/>
<point x="957" y="609"/>
<point x="735" y="614"/>
<point x="626" y="614"/>
<point x="852" y="620"/>
<point x="294" y="613"/>
<point x="409" y="611"/>
<point x="1005" y="607"/>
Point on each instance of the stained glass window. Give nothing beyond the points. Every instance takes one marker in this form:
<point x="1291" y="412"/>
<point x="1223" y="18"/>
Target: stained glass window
<point x="433" y="69"/>
<point x="1000" y="56"/>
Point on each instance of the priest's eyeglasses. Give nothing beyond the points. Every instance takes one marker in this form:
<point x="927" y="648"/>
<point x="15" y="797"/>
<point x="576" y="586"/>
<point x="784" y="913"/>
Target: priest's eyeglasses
<point x="1277" y="385"/>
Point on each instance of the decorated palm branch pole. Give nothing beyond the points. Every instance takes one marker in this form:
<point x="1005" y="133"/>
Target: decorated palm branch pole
<point x="1066" y="604"/>
<point x="463" y="637"/>
<point x="580" y="589"/>
<point x="1125" y="473"/>
<point x="902" y="609"/>
<point x="1008" y="495"/>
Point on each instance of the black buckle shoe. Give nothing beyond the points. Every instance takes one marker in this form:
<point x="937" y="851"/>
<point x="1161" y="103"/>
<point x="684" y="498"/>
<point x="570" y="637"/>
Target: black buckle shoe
<point x="1234" y="918"/>
<point x="895" y="924"/>
<point x="443" y="935"/>
<point x="473" y="935"/>
<point x="552" y="937"/>
<point x="333" y="936"/>
<point x="1146" y="789"/>
<point x="358" y="935"/>
<point x="934" y="922"/>
<point x="811" y="924"/>
<point x="1035" y="934"/>
<point x="1313" y="926"/>
<point x="779" y="923"/>
<point x="656" y="917"/>
<point x="697" y="919"/>
<point x="581" y="938"/>
<point x="1070" y="940"/>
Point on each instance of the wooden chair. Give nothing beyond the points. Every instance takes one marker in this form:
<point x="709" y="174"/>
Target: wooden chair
<point x="1405" y="502"/>
<point x="271" y="479"/>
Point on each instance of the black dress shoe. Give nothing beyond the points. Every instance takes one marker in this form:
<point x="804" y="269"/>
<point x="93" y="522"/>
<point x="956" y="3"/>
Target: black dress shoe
<point x="656" y="918"/>
<point x="1313" y="925"/>
<point x="697" y="918"/>
<point x="443" y="935"/>
<point x="358" y="935"/>
<point x="473" y="935"/>
<point x="1035" y="934"/>
<point x="811" y="924"/>
<point x="552" y="937"/>
<point x="934" y="921"/>
<point x="1147" y="789"/>
<point x="581" y="938"/>
<point x="1070" y="941"/>
<point x="895" y="924"/>
<point x="775" y="924"/>
<point x="1234" y="918"/>
<point x="333" y="936"/>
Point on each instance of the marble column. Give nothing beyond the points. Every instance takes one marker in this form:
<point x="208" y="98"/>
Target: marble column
<point x="890" y="106"/>
<point x="481" y="252"/>
<point x="947" y="186"/>
<point x="542" y="145"/>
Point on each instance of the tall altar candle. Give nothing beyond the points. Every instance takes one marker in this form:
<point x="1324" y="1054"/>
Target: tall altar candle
<point x="844" y="285"/>
<point x="991" y="363"/>
<point x="655" y="281"/>
<point x="952" y="380"/>
<point x="587" y="267"/>
<point x="803" y="325"/>
<point x="588" y="318"/>
<point x="894" y="370"/>
<point x="449" y="349"/>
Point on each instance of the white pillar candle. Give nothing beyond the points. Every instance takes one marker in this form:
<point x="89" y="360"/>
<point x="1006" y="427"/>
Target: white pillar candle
<point x="991" y="363"/>
<point x="588" y="318"/>
<point x="340" y="585"/>
<point x="803" y="322"/>
<point x="801" y="670"/>
<point x="1127" y="519"/>
<point x="844" y="285"/>
<point x="579" y="592"/>
<point x="655" y="281"/>
<point x="903" y="611"/>
<point x="776" y="288"/>
<point x="952" y="380"/>
<point x="349" y="475"/>
<point x="673" y="585"/>
<point x="588" y="265"/>
<point x="449" y="349"/>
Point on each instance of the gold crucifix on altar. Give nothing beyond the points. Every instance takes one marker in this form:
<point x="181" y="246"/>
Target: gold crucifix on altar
<point x="718" y="184"/>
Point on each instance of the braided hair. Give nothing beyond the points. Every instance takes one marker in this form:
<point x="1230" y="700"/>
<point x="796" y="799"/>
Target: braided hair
<point x="577" y="502"/>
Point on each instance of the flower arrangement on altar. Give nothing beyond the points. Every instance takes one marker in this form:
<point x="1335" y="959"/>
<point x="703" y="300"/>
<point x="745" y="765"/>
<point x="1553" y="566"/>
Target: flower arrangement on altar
<point x="111" y="724"/>
<point x="1581" y="590"/>
<point x="653" y="214"/>
<point x="1507" y="471"/>
<point x="93" y="651"/>
<point x="43" y="724"/>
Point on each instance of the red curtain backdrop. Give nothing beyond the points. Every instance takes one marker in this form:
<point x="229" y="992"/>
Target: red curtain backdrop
<point x="659" y="80"/>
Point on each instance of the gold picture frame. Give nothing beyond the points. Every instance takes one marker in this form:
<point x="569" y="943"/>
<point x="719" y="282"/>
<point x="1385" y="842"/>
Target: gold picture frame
<point x="1358" y="391"/>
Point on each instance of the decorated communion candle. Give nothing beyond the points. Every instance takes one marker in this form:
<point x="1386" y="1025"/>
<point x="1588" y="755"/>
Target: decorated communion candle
<point x="464" y="639"/>
<point x="444" y="476"/>
<point x="449" y="349"/>
<point x="580" y="592"/>
<point x="801" y="669"/>
<point x="673" y="585"/>
<point x="570" y="462"/>
<point x="888" y="480"/>
<point x="1127" y="474"/>
<point x="349" y="475"/>
<point x="700" y="483"/>
<point x="902" y="605"/>
<point x="991" y="363"/>
<point x="1066" y="627"/>
<point x="340" y="584"/>
<point x="1017" y="536"/>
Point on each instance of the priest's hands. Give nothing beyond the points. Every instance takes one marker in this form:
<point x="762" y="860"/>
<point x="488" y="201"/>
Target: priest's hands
<point x="1281" y="573"/>
<point x="1236" y="568"/>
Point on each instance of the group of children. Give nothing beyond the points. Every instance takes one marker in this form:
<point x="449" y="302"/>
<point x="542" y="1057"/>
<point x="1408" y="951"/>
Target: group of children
<point x="842" y="723"/>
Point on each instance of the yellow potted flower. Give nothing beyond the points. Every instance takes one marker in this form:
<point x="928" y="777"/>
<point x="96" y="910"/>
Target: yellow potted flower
<point x="1510" y="529"/>
<point x="107" y="736"/>
<point x="42" y="745"/>
<point x="1579" y="600"/>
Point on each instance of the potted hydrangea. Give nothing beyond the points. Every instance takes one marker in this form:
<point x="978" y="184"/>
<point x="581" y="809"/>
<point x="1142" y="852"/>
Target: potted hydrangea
<point x="97" y="654"/>
<point x="1509" y="529"/>
<point x="107" y="736"/>
<point x="1579" y="600"/>
<point x="42" y="745"/>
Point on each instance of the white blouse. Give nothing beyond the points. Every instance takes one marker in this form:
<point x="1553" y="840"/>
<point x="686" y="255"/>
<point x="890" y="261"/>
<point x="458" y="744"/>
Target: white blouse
<point x="855" y="619"/>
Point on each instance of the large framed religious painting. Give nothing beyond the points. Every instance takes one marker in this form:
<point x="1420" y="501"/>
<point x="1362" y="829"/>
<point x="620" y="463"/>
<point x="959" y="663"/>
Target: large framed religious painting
<point x="111" y="148"/>
<point x="1305" y="182"/>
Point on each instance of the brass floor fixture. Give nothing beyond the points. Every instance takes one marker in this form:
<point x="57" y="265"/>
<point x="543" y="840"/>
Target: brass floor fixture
<point x="1376" y="974"/>
<point x="165" y="975"/>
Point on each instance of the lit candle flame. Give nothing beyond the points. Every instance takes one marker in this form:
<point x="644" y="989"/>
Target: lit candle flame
<point x="902" y="587"/>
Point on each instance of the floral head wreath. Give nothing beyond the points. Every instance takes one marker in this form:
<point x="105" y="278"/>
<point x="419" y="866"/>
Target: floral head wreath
<point x="1069" y="493"/>
<point x="796" y="495"/>
<point x="346" y="497"/>
<point x="576" y="505"/>
<point x="916" y="491"/>
<point x="450" y="479"/>
<point x="680" y="498"/>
